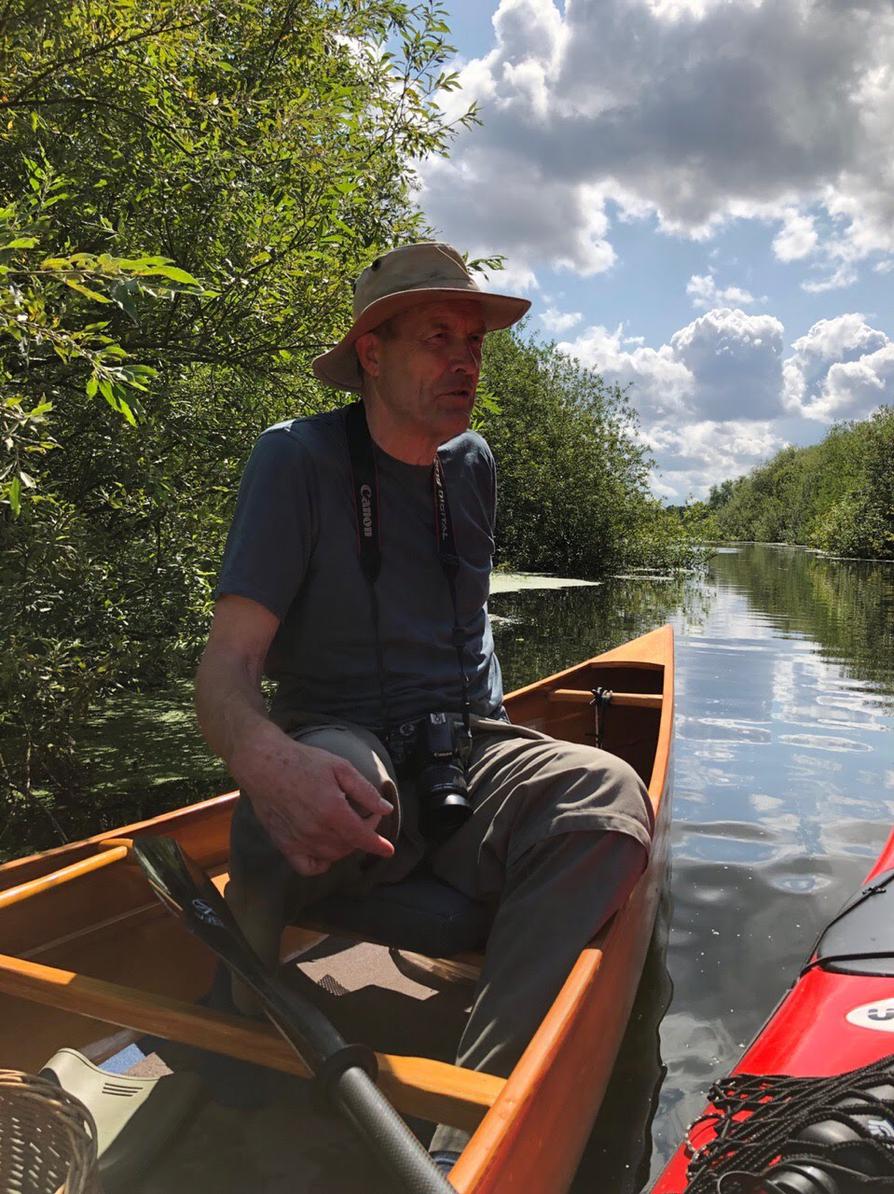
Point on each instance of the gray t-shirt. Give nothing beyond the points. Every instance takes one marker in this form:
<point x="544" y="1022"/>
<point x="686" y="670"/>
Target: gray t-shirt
<point x="292" y="547"/>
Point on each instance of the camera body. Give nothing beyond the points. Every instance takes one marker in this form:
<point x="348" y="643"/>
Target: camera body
<point x="443" y="747"/>
<point x="434" y="752"/>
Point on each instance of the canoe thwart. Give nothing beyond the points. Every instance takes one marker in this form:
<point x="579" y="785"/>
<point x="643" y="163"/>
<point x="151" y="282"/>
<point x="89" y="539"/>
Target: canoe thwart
<point x="433" y="1090"/>
<point x="584" y="696"/>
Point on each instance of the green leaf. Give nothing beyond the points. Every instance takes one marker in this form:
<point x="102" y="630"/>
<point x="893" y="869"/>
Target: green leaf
<point x="20" y="242"/>
<point x="86" y="291"/>
<point x="15" y="495"/>
<point x="125" y="409"/>
<point x="92" y="386"/>
<point x="172" y="272"/>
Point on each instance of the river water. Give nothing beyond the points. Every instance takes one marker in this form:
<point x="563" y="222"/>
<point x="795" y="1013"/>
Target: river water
<point x="783" y="796"/>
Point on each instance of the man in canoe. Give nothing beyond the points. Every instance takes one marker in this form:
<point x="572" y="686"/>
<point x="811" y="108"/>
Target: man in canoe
<point x="356" y="577"/>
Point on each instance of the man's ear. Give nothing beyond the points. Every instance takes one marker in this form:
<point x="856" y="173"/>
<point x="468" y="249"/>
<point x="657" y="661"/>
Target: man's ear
<point x="367" y="348"/>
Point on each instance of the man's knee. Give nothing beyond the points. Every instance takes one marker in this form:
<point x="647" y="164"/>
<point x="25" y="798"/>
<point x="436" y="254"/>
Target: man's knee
<point x="591" y="778"/>
<point x="616" y="773"/>
<point x="367" y="755"/>
<point x="581" y="789"/>
<point x="362" y="749"/>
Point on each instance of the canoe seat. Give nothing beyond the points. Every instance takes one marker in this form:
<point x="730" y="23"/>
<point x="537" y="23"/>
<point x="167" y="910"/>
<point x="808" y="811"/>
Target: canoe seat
<point x="420" y="914"/>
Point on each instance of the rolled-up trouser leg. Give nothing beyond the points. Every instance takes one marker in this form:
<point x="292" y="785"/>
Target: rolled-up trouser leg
<point x="263" y="891"/>
<point x="256" y="893"/>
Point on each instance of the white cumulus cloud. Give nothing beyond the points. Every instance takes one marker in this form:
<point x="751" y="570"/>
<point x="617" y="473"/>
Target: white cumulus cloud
<point x="721" y="396"/>
<point x="736" y="360"/>
<point x="710" y="400"/>
<point x="560" y="321"/>
<point x="841" y="369"/>
<point x="705" y="293"/>
<point x="660" y="383"/>
<point x="797" y="238"/>
<point x="692" y="458"/>
<point x="725" y="364"/>
<point x="689" y="112"/>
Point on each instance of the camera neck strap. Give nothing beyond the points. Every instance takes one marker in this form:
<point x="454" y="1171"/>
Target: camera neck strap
<point x="367" y="515"/>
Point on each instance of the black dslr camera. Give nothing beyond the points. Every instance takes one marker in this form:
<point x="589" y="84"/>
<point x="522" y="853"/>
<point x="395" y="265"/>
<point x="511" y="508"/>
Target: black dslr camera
<point x="443" y="749"/>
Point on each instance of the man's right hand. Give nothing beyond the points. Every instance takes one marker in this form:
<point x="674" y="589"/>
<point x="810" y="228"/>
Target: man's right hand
<point x="315" y="806"/>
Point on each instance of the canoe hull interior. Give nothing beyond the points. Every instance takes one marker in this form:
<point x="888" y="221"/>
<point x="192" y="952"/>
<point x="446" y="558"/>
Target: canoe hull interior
<point x="79" y="929"/>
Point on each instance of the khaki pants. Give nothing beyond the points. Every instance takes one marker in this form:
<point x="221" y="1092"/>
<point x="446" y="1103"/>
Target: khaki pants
<point x="559" y="834"/>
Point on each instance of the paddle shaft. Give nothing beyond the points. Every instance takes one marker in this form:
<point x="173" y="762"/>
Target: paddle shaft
<point x="185" y="889"/>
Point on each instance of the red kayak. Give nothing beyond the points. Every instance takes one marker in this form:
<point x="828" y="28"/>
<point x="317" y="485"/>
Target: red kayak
<point x="837" y="1017"/>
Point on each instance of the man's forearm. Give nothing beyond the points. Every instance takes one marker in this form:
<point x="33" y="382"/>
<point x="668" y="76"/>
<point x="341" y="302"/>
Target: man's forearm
<point x="229" y="704"/>
<point x="315" y="806"/>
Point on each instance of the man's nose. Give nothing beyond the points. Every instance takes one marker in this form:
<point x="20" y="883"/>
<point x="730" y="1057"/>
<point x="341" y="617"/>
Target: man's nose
<point x="467" y="357"/>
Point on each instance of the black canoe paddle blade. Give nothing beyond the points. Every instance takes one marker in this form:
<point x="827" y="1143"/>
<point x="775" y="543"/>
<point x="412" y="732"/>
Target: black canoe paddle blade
<point x="184" y="888"/>
<point x="347" y="1072"/>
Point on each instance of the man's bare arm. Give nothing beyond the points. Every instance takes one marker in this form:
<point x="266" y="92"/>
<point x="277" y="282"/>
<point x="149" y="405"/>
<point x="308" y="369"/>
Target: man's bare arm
<point x="303" y="796"/>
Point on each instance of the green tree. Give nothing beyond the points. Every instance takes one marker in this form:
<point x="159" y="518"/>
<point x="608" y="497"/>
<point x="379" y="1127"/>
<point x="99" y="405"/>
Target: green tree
<point x="187" y="186"/>
<point x="573" y="492"/>
<point x="862" y="522"/>
<point x="836" y="495"/>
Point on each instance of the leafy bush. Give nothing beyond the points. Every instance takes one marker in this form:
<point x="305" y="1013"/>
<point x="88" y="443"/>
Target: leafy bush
<point x="837" y="495"/>
<point x="573" y="494"/>
<point x="188" y="187"/>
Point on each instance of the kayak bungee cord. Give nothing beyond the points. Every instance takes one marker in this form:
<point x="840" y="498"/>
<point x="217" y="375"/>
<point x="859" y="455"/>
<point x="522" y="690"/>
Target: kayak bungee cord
<point x="346" y="1073"/>
<point x="775" y="1134"/>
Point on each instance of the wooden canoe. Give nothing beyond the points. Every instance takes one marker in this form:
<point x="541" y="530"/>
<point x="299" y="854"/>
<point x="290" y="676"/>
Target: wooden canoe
<point x="86" y="952"/>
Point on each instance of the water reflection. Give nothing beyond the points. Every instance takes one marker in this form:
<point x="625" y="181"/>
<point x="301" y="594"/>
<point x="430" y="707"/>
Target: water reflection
<point x="619" y="1153"/>
<point x="538" y="632"/>
<point x="784" y="788"/>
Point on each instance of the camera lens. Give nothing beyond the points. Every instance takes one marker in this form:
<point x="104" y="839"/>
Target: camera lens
<point x="443" y="800"/>
<point x="443" y="797"/>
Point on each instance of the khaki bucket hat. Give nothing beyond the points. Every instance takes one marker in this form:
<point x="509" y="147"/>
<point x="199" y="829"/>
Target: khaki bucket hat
<point x="402" y="279"/>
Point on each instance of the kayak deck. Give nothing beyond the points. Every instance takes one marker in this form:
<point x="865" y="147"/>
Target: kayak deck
<point x="827" y="1023"/>
<point x="87" y="951"/>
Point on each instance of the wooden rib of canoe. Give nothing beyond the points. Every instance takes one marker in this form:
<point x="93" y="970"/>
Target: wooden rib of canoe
<point x="86" y="952"/>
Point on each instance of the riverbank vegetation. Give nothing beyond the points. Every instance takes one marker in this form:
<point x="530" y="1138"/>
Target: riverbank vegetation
<point x="188" y="189"/>
<point x="573" y="477"/>
<point x="837" y="495"/>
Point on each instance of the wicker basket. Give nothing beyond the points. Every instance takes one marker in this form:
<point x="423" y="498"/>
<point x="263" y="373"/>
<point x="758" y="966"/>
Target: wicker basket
<point x="47" y="1138"/>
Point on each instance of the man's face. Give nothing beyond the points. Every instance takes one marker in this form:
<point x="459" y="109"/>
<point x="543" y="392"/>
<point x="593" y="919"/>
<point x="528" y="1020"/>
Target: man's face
<point x="425" y="369"/>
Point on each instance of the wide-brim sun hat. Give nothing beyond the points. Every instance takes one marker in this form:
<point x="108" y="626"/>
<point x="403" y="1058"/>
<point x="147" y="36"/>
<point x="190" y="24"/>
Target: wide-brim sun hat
<point x="399" y="280"/>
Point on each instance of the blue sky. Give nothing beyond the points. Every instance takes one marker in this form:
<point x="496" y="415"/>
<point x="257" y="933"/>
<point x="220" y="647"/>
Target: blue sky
<point x="698" y="196"/>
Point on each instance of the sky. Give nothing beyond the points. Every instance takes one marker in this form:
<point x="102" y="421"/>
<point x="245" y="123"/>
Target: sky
<point x="698" y="197"/>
